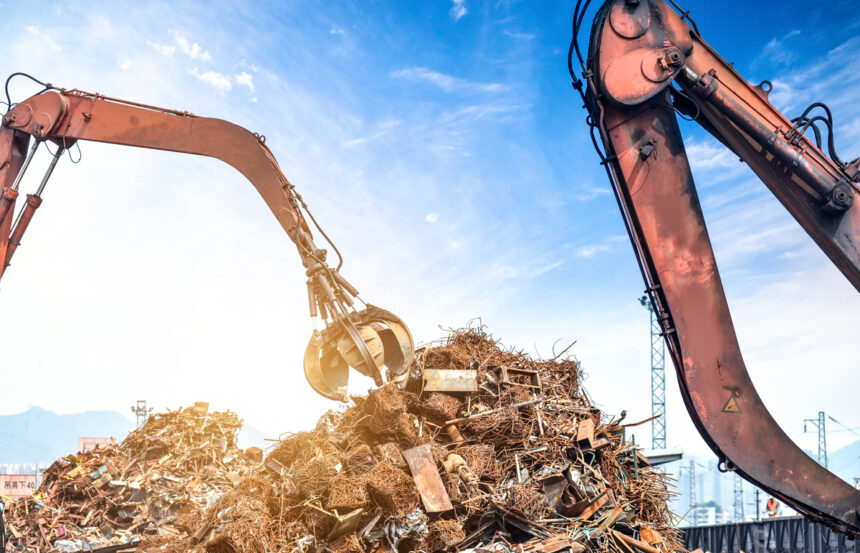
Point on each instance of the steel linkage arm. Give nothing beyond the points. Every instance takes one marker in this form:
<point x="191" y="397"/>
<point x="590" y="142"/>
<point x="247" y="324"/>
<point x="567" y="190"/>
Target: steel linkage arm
<point x="637" y="51"/>
<point x="13" y="153"/>
<point x="365" y="339"/>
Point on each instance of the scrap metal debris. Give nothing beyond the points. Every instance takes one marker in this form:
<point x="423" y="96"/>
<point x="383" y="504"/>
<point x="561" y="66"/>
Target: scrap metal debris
<point x="524" y="462"/>
<point x="159" y="481"/>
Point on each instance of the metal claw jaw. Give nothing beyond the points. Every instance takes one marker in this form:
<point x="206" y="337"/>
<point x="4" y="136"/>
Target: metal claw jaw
<point x="366" y="341"/>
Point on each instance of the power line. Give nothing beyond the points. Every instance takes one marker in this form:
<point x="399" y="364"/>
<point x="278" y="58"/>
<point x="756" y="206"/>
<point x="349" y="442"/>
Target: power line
<point x="853" y="431"/>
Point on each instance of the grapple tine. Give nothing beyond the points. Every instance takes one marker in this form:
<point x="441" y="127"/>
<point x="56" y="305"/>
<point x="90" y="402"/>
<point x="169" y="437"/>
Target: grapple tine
<point x="393" y="355"/>
<point x="365" y="341"/>
<point x="325" y="369"/>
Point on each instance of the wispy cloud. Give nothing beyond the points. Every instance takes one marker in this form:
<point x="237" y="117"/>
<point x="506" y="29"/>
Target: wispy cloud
<point x="218" y="80"/>
<point x="35" y="31"/>
<point x="245" y="79"/>
<point x="588" y="193"/>
<point x="450" y="131"/>
<point x="163" y="49"/>
<point x="190" y="49"/>
<point x="335" y="30"/>
<point x="525" y="270"/>
<point x="249" y="65"/>
<point x="519" y="35"/>
<point x="590" y="250"/>
<point x="431" y="217"/>
<point x="381" y="129"/>
<point x="446" y="82"/>
<point x="779" y="50"/>
<point x="746" y="232"/>
<point x="711" y="156"/>
<point x="458" y="9"/>
<point x="832" y="78"/>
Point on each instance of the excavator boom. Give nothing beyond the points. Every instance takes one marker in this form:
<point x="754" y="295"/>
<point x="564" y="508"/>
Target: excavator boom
<point x="644" y="63"/>
<point x="366" y="340"/>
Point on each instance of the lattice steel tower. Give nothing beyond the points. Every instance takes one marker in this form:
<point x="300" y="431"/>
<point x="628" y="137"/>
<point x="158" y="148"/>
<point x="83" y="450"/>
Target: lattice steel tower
<point x="658" y="379"/>
<point x="822" y="437"/>
<point x="693" y="501"/>
<point x="739" y="499"/>
<point x="141" y="411"/>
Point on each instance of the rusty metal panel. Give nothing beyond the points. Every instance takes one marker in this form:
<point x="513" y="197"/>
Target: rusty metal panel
<point x="443" y="380"/>
<point x="552" y="544"/>
<point x="427" y="479"/>
<point x="585" y="433"/>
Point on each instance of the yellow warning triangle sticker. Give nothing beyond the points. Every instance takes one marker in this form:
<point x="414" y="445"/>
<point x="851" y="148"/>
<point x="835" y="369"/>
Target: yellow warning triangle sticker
<point x="732" y="406"/>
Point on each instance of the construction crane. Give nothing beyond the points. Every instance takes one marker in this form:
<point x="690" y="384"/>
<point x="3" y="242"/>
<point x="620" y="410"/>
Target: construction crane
<point x="645" y="62"/>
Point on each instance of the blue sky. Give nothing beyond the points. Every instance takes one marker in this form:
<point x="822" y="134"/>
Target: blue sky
<point x="443" y="149"/>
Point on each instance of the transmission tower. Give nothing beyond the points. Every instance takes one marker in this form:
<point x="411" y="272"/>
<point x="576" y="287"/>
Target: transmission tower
<point x="658" y="379"/>
<point x="141" y="412"/>
<point x="822" y="437"/>
<point x="693" y="502"/>
<point x="739" y="499"/>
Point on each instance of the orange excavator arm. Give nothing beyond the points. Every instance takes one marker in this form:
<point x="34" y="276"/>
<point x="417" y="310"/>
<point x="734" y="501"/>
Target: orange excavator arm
<point x="644" y="63"/>
<point x="366" y="340"/>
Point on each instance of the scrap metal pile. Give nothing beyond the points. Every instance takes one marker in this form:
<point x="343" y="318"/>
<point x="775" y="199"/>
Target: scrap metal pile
<point x="158" y="481"/>
<point x="482" y="449"/>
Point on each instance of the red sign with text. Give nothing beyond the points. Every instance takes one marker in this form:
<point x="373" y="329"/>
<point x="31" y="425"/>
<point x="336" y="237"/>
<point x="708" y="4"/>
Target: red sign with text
<point x="17" y="485"/>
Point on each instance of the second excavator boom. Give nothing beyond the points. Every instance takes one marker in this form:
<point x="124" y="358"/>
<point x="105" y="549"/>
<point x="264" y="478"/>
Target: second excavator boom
<point x="644" y="63"/>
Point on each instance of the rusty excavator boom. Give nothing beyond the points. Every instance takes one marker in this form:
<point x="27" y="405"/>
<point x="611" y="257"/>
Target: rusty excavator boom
<point x="646" y="61"/>
<point x="368" y="340"/>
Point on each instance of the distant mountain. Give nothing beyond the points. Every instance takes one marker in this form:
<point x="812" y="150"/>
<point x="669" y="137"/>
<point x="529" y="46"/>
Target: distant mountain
<point x="41" y="436"/>
<point x="845" y="462"/>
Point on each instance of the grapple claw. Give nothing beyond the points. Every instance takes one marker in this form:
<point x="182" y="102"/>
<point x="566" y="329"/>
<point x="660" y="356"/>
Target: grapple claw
<point x="366" y="341"/>
<point x="325" y="369"/>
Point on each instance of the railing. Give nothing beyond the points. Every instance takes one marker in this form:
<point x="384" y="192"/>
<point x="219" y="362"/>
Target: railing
<point x="774" y="535"/>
